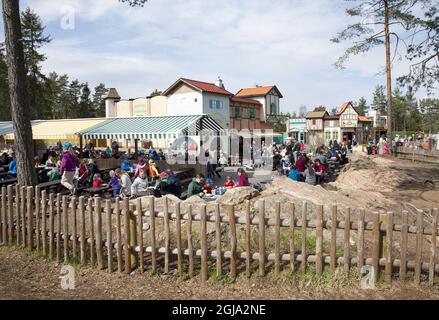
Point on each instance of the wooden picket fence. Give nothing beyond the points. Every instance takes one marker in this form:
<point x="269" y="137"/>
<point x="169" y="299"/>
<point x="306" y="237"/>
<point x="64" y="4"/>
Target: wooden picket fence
<point x="110" y="235"/>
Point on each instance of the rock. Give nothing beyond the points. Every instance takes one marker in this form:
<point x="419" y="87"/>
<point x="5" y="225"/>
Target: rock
<point x="238" y="196"/>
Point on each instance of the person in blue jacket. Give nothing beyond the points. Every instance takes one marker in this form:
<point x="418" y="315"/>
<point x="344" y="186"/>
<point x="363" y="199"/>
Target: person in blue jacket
<point x="13" y="165"/>
<point x="293" y="174"/>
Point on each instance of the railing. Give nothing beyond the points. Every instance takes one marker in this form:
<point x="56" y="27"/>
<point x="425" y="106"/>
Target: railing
<point x="124" y="236"/>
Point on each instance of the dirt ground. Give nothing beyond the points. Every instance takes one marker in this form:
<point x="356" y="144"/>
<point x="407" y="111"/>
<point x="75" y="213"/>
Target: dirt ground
<point x="24" y="276"/>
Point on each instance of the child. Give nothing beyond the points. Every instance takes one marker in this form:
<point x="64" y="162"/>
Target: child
<point x="229" y="183"/>
<point x="293" y="174"/>
<point x="153" y="172"/>
<point x="83" y="171"/>
<point x="114" y="184"/>
<point x="140" y="168"/>
<point x="97" y="181"/>
<point x="140" y="184"/>
<point x="208" y="186"/>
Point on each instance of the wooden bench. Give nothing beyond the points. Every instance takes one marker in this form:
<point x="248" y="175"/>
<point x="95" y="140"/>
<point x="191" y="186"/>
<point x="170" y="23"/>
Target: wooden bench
<point x="7" y="182"/>
<point x="54" y="185"/>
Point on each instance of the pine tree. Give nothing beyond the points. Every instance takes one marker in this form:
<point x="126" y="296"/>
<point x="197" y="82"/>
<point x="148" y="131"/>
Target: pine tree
<point x="379" y="100"/>
<point x="33" y="39"/>
<point x="85" y="104"/>
<point x="5" y="104"/>
<point x="361" y="106"/>
<point x="98" y="100"/>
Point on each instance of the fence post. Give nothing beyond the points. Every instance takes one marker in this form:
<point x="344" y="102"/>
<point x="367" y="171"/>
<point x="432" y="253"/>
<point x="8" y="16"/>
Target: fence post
<point x="140" y="237"/>
<point x="333" y="254"/>
<point x="383" y="235"/>
<point x="17" y="213"/>
<point x="23" y="216"/>
<point x="153" y="234"/>
<point x="203" y="242"/>
<point x="178" y="230"/>
<point x="167" y="233"/>
<point x="10" y="214"/>
<point x="347" y="238"/>
<point x="118" y="237"/>
<point x="277" y="239"/>
<point x="376" y="244"/>
<point x="3" y="218"/>
<point x="30" y="224"/>
<point x="82" y="241"/>
<point x="74" y="228"/>
<point x="65" y="210"/>
<point x="43" y="221"/>
<point x="99" y="249"/>
<point x="433" y="247"/>
<point x="360" y="242"/>
<point x="389" y="260"/>
<point x="319" y="241"/>
<point x="233" y="240"/>
<point x="419" y="240"/>
<point x="247" y="240"/>
<point x="190" y="245"/>
<point x="37" y="216"/>
<point x="133" y="236"/>
<point x="304" y="222"/>
<point x="292" y="233"/>
<point x="404" y="239"/>
<point x="261" y="238"/>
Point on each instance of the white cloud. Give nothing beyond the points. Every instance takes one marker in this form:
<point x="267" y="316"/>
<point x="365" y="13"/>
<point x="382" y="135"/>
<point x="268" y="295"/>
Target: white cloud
<point x="282" y="42"/>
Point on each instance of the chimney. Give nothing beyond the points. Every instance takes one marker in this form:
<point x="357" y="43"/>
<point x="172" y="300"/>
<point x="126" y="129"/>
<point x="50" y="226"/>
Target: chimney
<point x="220" y="83"/>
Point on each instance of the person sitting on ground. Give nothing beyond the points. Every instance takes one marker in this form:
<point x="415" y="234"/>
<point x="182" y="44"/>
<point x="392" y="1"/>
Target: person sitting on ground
<point x="320" y="171"/>
<point x="310" y="176"/>
<point x="229" y="184"/>
<point x="343" y="160"/>
<point x="207" y="188"/>
<point x="97" y="181"/>
<point x="301" y="164"/>
<point x="173" y="183"/>
<point x="114" y="184"/>
<point x="155" y="156"/>
<point x="68" y="168"/>
<point x="141" y="167"/>
<point x="153" y="172"/>
<point x="125" y="182"/>
<point x="140" y="185"/>
<point x="293" y="174"/>
<point x="242" y="178"/>
<point x="196" y="186"/>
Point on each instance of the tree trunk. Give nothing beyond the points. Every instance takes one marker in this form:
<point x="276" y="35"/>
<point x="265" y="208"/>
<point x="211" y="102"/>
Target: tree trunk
<point x="18" y="93"/>
<point x="388" y="69"/>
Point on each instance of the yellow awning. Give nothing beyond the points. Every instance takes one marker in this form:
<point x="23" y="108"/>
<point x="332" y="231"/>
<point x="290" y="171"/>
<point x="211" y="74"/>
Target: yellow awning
<point x="60" y="129"/>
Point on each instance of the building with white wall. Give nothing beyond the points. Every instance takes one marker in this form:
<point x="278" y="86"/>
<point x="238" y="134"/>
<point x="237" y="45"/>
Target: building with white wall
<point x="268" y="96"/>
<point x="191" y="97"/>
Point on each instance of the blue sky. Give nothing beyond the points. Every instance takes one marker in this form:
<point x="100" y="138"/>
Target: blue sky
<point x="246" y="42"/>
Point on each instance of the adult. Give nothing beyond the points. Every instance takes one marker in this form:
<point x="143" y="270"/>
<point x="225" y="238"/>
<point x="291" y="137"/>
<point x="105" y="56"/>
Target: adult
<point x="296" y="150"/>
<point x="301" y="164"/>
<point x="172" y="183"/>
<point x="92" y="170"/>
<point x="114" y="148"/>
<point x="13" y="165"/>
<point x="310" y="176"/>
<point x="196" y="186"/>
<point x="68" y="168"/>
<point x="89" y="149"/>
<point x="125" y="182"/>
<point x="141" y="167"/>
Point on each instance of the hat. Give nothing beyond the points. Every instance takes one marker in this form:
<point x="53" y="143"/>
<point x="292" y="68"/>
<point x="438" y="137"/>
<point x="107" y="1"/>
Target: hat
<point x="209" y="181"/>
<point x="67" y="145"/>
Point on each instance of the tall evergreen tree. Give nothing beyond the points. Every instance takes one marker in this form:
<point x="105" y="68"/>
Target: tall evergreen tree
<point x="361" y="106"/>
<point x="98" y="100"/>
<point x="379" y="101"/>
<point x="33" y="39"/>
<point x="5" y="104"/>
<point x="85" y="103"/>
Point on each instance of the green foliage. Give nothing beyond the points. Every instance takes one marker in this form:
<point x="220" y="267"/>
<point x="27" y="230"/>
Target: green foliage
<point x="155" y="93"/>
<point x="379" y="100"/>
<point x="361" y="106"/>
<point x="319" y="108"/>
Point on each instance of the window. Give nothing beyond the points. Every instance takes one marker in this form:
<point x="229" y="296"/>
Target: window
<point x="335" y="136"/>
<point x="216" y="104"/>
<point x="314" y="122"/>
<point x="328" y="136"/>
<point x="251" y="113"/>
<point x="238" y="112"/>
<point x="273" y="108"/>
<point x="331" y="123"/>
<point x="196" y="100"/>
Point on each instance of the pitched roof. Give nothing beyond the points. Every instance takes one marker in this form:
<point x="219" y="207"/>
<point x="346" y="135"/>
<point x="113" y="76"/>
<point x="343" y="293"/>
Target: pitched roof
<point x="332" y="117"/>
<point x="364" y="119"/>
<point x="258" y="91"/>
<point x="199" y="85"/>
<point x="112" y="94"/>
<point x="244" y="100"/>
<point x="316" y="114"/>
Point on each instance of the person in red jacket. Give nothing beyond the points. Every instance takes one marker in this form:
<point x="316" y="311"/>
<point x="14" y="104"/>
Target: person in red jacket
<point x="229" y="184"/>
<point x="320" y="170"/>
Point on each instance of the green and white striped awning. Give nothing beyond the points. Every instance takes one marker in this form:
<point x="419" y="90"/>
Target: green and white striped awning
<point x="148" y="128"/>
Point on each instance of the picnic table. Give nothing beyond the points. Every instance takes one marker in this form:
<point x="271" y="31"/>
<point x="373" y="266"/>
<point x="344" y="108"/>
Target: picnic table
<point x="7" y="182"/>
